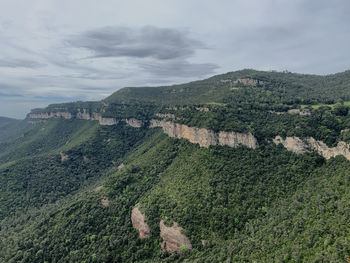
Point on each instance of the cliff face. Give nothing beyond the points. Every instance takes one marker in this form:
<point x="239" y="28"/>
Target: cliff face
<point x="205" y="137"/>
<point x="299" y="146"/>
<point x="138" y="222"/>
<point x="82" y="114"/>
<point x="134" y="123"/>
<point x="59" y="114"/>
<point x="173" y="239"/>
<point x="202" y="136"/>
<point x="293" y="144"/>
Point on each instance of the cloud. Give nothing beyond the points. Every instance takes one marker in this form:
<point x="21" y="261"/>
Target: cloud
<point x="144" y="42"/>
<point x="178" y="68"/>
<point x="159" y="52"/>
<point x="19" y="63"/>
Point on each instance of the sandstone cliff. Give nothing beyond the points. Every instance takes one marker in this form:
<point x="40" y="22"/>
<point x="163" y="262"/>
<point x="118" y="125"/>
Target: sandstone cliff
<point x="205" y="137"/>
<point x="134" y="122"/>
<point x="202" y="136"/>
<point x="173" y="239"/>
<point x="248" y="81"/>
<point x="297" y="145"/>
<point x="138" y="222"/>
<point x="82" y="114"/>
<point x="59" y="114"/>
<point x="293" y="144"/>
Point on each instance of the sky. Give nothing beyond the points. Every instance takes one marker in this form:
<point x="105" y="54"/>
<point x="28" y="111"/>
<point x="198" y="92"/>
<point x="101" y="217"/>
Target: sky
<point x="56" y="51"/>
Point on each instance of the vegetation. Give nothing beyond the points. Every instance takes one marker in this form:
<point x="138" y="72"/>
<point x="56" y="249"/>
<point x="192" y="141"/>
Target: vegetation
<point x="234" y="204"/>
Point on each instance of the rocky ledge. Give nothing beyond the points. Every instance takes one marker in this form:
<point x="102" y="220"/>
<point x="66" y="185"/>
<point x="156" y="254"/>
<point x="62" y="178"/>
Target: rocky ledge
<point x="297" y="145"/>
<point x="205" y="137"/>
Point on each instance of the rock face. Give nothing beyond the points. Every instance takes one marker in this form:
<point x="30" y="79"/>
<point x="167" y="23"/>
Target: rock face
<point x="105" y="201"/>
<point x="134" y="123"/>
<point x="138" y="222"/>
<point x="59" y="114"/>
<point x="202" y="136"/>
<point x="173" y="239"/>
<point x="102" y="120"/>
<point x="248" y="81"/>
<point x="297" y="145"/>
<point x="342" y="148"/>
<point x="82" y="114"/>
<point x="205" y="137"/>
<point x="293" y="144"/>
<point x="299" y="112"/>
<point x="64" y="157"/>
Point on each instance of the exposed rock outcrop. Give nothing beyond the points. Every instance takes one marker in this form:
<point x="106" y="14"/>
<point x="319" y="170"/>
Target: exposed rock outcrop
<point x="248" y="81"/>
<point x="105" y="201"/>
<point x="103" y="120"/>
<point x="134" y="123"/>
<point x="342" y="148"/>
<point x="173" y="239"/>
<point x="303" y="112"/>
<point x="202" y="136"/>
<point x="64" y="157"/>
<point x="205" y="109"/>
<point x="299" y="112"/>
<point x="299" y="146"/>
<point x="120" y="166"/>
<point x="205" y="137"/>
<point x="48" y="115"/>
<point x="293" y="144"/>
<point x="138" y="222"/>
<point x="82" y="114"/>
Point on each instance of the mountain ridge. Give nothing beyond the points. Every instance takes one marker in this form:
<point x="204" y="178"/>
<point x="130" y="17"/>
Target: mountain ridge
<point x="73" y="174"/>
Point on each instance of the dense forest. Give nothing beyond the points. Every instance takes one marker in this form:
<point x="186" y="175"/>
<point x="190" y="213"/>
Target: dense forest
<point x="68" y="186"/>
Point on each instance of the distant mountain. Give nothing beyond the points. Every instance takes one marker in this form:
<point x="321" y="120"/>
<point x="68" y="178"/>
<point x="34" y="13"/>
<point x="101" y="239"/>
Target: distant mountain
<point x="248" y="166"/>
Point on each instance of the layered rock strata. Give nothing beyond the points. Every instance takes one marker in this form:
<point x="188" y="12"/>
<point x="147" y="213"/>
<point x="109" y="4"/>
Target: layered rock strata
<point x="82" y="115"/>
<point x="49" y="115"/>
<point x="299" y="146"/>
<point x="134" y="123"/>
<point x="202" y="136"/>
<point x="205" y="137"/>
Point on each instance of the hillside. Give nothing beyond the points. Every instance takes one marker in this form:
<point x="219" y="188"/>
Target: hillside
<point x="247" y="166"/>
<point x="9" y="127"/>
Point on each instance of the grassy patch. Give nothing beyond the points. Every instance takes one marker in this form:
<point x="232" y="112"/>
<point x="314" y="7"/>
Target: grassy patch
<point x="317" y="106"/>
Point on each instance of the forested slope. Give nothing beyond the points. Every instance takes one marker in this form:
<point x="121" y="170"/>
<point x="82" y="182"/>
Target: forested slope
<point x="69" y="186"/>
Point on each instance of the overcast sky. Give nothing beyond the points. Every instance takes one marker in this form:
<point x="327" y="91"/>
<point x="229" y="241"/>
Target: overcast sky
<point x="68" y="50"/>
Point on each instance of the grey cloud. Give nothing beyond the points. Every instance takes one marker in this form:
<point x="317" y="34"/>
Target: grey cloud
<point x="178" y="68"/>
<point x="19" y="63"/>
<point x="144" y="42"/>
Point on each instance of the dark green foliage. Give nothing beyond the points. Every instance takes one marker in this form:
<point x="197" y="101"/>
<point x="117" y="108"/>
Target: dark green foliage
<point x="244" y="205"/>
<point x="35" y="181"/>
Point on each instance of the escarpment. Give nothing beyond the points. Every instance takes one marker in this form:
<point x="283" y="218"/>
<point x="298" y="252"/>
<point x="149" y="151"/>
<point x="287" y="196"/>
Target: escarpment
<point x="138" y="222"/>
<point x="299" y="146"/>
<point x="173" y="239"/>
<point x="49" y="115"/>
<point x="205" y="137"/>
<point x="82" y="114"/>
